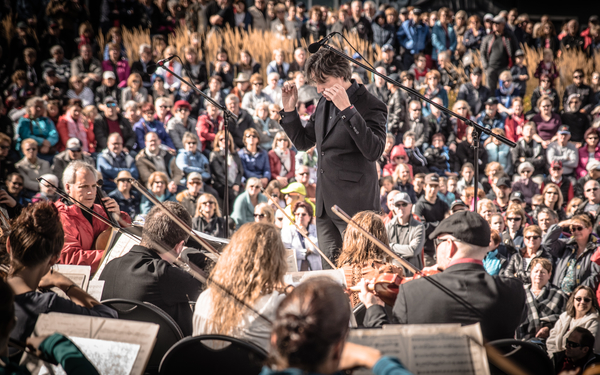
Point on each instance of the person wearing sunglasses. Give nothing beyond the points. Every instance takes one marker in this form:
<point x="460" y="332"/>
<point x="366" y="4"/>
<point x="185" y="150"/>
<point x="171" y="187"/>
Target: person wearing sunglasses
<point x="208" y="218"/>
<point x="579" y="352"/>
<point x="582" y="311"/>
<point x="512" y="237"/>
<point x="243" y="208"/>
<point x="591" y="204"/>
<point x="519" y="263"/>
<point x="589" y="152"/>
<point x="149" y="123"/>
<point x="575" y="261"/>
<point x="553" y="199"/>
<point x="578" y="87"/>
<point x="308" y="259"/>
<point x="406" y="234"/>
<point x="263" y="213"/>
<point x="544" y="89"/>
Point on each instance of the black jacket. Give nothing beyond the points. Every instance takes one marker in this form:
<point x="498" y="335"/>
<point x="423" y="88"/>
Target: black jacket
<point x="396" y="112"/>
<point x="217" y="170"/>
<point x="464" y="293"/>
<point x="101" y="132"/>
<point x="138" y="67"/>
<point x="142" y="275"/>
<point x="237" y="128"/>
<point x="466" y="154"/>
<point x="585" y="95"/>
<point x="533" y="152"/>
<point x="348" y="153"/>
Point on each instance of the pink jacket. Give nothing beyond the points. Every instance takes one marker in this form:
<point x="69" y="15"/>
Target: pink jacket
<point x="583" y="160"/>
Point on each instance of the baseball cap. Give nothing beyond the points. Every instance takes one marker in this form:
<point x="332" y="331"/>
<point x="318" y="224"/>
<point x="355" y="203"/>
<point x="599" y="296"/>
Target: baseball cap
<point x="519" y="52"/>
<point x="73" y="144"/>
<point x="387" y="47"/>
<point x="525" y="165"/>
<point x="181" y="104"/>
<point x="123" y="175"/>
<point x="517" y="196"/>
<point x="403" y="10"/>
<point x="432" y="179"/>
<point x="556" y="164"/>
<point x="417" y="11"/>
<point x="488" y="16"/>
<point x="499" y="19"/>
<point x="194" y="176"/>
<point x="491" y="100"/>
<point x="109" y="74"/>
<point x="466" y="226"/>
<point x="294" y="187"/>
<point x="503" y="181"/>
<point x="109" y="99"/>
<point x="456" y="203"/>
<point x="402" y="197"/>
<point x="594" y="164"/>
<point x="564" y="129"/>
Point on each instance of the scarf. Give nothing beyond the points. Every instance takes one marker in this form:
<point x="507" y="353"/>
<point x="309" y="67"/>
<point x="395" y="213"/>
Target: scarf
<point x="77" y="130"/>
<point x="506" y="90"/>
<point x="286" y="162"/>
<point x="429" y="94"/>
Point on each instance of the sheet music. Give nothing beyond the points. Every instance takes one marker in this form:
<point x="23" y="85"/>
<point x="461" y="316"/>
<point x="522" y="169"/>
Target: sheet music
<point x="292" y="263"/>
<point x="95" y="289"/>
<point x="296" y="278"/>
<point x="122" y="247"/>
<point x="126" y="331"/>
<point x="428" y="349"/>
<point x="109" y="357"/>
<point x="80" y="275"/>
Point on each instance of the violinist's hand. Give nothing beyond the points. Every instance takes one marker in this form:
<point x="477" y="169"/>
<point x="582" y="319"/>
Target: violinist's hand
<point x="338" y="95"/>
<point x="111" y="205"/>
<point x="289" y="96"/>
<point x="354" y="355"/>
<point x="366" y="297"/>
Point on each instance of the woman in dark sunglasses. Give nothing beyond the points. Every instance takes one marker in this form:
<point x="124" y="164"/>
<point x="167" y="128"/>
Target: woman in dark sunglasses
<point x="519" y="263"/>
<point x="574" y="256"/>
<point x="582" y="311"/>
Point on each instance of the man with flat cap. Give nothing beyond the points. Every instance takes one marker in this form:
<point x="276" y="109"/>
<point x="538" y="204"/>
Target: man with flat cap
<point x="463" y="293"/>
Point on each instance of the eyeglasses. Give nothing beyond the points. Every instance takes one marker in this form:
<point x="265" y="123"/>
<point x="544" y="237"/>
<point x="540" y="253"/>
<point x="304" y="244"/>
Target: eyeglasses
<point x="556" y="169"/>
<point x="160" y="183"/>
<point x="577" y="77"/>
<point x="195" y="182"/>
<point x="31" y="149"/>
<point x="438" y="241"/>
<point x="513" y="219"/>
<point x="191" y="143"/>
<point x="257" y="84"/>
<point x="136" y="81"/>
<point x="545" y="80"/>
<point x="532" y="238"/>
<point x="252" y="186"/>
<point x="399" y="205"/>
<point x="4" y="147"/>
<point x="591" y="189"/>
<point x="527" y="171"/>
<point x="276" y="196"/>
<point x="164" y="106"/>
<point x="149" y="112"/>
<point x="183" y="110"/>
<point x="585" y="299"/>
<point x="207" y="203"/>
<point x="17" y="183"/>
<point x="552" y="193"/>
<point x="303" y="174"/>
<point x="576" y="228"/>
<point x="546" y="106"/>
<point x="259" y="215"/>
<point x="572" y="344"/>
<point x="301" y="214"/>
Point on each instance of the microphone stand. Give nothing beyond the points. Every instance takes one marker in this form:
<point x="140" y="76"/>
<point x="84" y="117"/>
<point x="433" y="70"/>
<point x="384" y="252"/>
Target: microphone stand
<point x="227" y="115"/>
<point x="477" y="129"/>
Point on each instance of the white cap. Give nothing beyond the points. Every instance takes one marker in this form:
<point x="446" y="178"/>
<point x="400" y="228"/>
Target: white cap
<point x="109" y="74"/>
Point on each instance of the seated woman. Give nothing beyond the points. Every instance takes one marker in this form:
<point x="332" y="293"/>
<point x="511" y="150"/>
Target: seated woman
<point x="360" y="257"/>
<point x="310" y="331"/>
<point x="254" y="159"/>
<point x="573" y="257"/>
<point x="582" y="311"/>
<point x="243" y="208"/>
<point x="545" y="302"/>
<point x="218" y="167"/>
<point x="263" y="213"/>
<point x="117" y="63"/>
<point x="34" y="244"/>
<point x="208" y="217"/>
<point x="38" y="127"/>
<point x="282" y="159"/>
<point x="307" y="257"/>
<point x="31" y="167"/>
<point x="512" y="237"/>
<point x="73" y="124"/>
<point x="525" y="184"/>
<point x="251" y="267"/>
<point x="553" y="199"/>
<point x="157" y="184"/>
<point x="56" y="346"/>
<point x="519" y="264"/>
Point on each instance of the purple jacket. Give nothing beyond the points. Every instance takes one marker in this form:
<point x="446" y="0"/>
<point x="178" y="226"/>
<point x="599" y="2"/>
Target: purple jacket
<point x="584" y="157"/>
<point x="121" y="70"/>
<point x="547" y="130"/>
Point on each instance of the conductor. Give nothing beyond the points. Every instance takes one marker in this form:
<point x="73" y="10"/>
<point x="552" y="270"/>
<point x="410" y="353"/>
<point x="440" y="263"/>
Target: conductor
<point x="348" y="128"/>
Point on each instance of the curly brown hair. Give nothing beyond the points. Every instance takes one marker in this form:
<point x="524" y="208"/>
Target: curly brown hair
<point x="357" y="248"/>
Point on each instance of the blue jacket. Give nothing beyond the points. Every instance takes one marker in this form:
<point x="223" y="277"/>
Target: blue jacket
<point x="256" y="165"/>
<point x="40" y="129"/>
<point x="131" y="205"/>
<point x="105" y="165"/>
<point x="496" y="122"/>
<point x="442" y="94"/>
<point x="413" y="37"/>
<point x="501" y="154"/>
<point x="438" y="39"/>
<point x="142" y="127"/>
<point x="385" y="366"/>
<point x="243" y="210"/>
<point x="188" y="163"/>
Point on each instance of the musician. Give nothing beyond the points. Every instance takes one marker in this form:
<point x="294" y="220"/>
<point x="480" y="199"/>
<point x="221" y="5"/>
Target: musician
<point x="360" y="257"/>
<point x="251" y="268"/>
<point x="464" y="293"/>
<point x="82" y="229"/>
<point x="143" y="275"/>
<point x="348" y="128"/>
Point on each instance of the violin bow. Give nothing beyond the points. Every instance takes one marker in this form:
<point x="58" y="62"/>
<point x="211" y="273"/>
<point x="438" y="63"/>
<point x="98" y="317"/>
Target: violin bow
<point x="302" y="232"/>
<point x="344" y="216"/>
<point x="173" y="217"/>
<point x="89" y="211"/>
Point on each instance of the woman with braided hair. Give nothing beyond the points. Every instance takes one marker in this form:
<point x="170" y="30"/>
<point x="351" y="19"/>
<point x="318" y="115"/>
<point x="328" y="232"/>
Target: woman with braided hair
<point x="360" y="257"/>
<point x="309" y="335"/>
<point x="34" y="243"/>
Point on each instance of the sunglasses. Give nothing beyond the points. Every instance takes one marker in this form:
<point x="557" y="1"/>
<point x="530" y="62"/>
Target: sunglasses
<point x="438" y="241"/>
<point x="303" y="174"/>
<point x="31" y="149"/>
<point x="591" y="189"/>
<point x="207" y="203"/>
<point x="576" y="228"/>
<point x="533" y="238"/>
<point x="4" y="147"/>
<point x="403" y="204"/>
<point x="577" y="77"/>
<point x="513" y="219"/>
<point x="585" y="299"/>
<point x="552" y="193"/>
<point x="545" y="80"/>
<point x="17" y="183"/>
<point x="251" y="136"/>
<point x="259" y="215"/>
<point x="571" y="344"/>
<point x="546" y="106"/>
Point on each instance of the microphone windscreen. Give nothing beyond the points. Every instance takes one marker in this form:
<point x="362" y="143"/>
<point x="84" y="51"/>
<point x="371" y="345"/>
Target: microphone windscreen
<point x="314" y="47"/>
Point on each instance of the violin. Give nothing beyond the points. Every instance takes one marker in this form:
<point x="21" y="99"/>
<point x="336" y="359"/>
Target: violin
<point x="385" y="286"/>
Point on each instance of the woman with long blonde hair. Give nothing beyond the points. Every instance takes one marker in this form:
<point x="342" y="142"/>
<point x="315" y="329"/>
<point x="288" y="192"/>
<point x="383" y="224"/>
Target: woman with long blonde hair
<point x="251" y="268"/>
<point x="360" y="257"/>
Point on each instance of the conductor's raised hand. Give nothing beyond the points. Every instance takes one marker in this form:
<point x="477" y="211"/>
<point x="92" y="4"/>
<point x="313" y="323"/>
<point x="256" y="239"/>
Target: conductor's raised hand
<point x="289" y="96"/>
<point x="338" y="95"/>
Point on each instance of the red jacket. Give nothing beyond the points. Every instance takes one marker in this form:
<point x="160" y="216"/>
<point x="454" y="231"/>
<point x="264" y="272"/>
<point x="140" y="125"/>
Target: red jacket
<point x="80" y="235"/>
<point x="207" y="129"/>
<point x="275" y="164"/>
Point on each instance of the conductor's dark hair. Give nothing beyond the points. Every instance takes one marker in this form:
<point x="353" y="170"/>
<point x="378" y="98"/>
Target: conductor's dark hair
<point x="324" y="64"/>
<point x="309" y="322"/>
<point x="160" y="231"/>
<point x="36" y="234"/>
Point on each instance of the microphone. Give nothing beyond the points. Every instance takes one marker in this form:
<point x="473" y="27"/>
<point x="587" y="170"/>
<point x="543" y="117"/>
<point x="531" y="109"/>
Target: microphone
<point x="316" y="45"/>
<point x="164" y="61"/>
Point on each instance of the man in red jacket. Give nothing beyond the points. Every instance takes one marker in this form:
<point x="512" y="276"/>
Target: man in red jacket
<point x="81" y="228"/>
